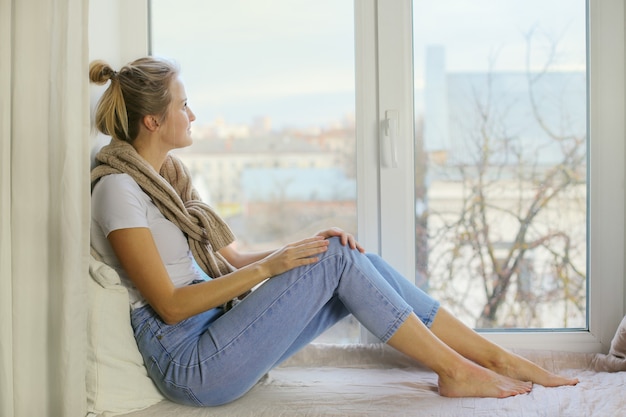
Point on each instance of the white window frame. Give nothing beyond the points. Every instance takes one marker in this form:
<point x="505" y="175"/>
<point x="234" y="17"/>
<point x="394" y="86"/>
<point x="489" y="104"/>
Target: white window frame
<point x="119" y="33"/>
<point x="392" y="72"/>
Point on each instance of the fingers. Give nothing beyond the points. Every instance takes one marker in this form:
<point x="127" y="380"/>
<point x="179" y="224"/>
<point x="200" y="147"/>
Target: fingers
<point x="305" y="251"/>
<point x="296" y="254"/>
<point x="307" y="247"/>
<point x="345" y="238"/>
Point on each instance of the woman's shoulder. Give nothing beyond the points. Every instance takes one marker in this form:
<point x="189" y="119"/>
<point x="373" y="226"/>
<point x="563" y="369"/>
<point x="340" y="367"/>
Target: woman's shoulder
<point x="120" y="189"/>
<point x="117" y="202"/>
<point x="118" y="196"/>
<point x="117" y="181"/>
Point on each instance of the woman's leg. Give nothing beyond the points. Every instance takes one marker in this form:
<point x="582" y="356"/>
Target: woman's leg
<point x="228" y="357"/>
<point x="396" y="311"/>
<point x="488" y="354"/>
<point x="195" y="363"/>
<point x="466" y="341"/>
<point x="458" y="376"/>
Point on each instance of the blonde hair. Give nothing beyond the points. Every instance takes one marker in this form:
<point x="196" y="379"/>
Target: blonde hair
<point x="139" y="89"/>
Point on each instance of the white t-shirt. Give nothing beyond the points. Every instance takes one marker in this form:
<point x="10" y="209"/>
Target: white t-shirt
<point x="117" y="202"/>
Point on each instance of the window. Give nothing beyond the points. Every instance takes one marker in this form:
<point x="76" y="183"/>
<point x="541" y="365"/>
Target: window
<point x="383" y="64"/>
<point x="588" y="206"/>
<point x="501" y="160"/>
<point x="272" y="87"/>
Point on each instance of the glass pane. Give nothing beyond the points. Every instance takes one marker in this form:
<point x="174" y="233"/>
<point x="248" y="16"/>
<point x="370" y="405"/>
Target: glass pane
<point x="272" y="87"/>
<point x="501" y="145"/>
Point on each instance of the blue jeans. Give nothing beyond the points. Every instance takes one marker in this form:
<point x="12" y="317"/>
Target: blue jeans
<point x="214" y="357"/>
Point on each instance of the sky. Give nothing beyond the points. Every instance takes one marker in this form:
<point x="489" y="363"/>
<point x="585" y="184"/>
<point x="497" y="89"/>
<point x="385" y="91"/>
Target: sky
<point x="293" y="60"/>
<point x="244" y="59"/>
<point x="476" y="31"/>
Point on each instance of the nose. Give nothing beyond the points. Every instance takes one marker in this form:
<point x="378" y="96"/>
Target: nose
<point x="191" y="115"/>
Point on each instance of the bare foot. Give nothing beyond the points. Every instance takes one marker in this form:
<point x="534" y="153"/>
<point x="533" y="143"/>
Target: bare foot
<point x="475" y="381"/>
<point x="520" y="368"/>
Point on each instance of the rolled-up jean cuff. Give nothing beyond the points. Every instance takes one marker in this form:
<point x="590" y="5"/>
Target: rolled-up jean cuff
<point x="396" y="324"/>
<point x="428" y="320"/>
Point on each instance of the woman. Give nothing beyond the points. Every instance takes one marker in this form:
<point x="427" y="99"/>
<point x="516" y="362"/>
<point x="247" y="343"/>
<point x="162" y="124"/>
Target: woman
<point x="148" y="224"/>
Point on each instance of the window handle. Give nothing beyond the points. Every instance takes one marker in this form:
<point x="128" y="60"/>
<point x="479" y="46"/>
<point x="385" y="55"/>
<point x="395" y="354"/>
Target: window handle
<point x="388" y="150"/>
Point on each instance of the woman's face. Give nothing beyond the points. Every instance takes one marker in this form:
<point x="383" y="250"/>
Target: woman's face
<point x="176" y="128"/>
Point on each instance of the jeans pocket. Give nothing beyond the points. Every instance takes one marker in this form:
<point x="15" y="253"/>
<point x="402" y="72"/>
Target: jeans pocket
<point x="140" y="331"/>
<point x="173" y="336"/>
<point x="169" y="335"/>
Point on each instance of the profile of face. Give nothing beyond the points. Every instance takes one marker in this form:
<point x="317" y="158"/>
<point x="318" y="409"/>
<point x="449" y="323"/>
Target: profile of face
<point x="175" y="129"/>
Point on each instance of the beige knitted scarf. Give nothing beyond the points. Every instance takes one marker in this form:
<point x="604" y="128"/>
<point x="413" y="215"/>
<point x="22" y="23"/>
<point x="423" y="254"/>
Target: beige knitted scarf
<point x="174" y="195"/>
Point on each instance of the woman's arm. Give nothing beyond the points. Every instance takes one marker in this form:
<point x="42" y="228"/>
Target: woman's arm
<point x="240" y="259"/>
<point x="139" y="256"/>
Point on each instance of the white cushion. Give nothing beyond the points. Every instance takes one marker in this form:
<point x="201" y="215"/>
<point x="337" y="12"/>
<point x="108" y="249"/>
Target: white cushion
<point x="117" y="380"/>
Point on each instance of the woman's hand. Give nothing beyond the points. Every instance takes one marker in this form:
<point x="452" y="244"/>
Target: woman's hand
<point x="293" y="255"/>
<point x="344" y="237"/>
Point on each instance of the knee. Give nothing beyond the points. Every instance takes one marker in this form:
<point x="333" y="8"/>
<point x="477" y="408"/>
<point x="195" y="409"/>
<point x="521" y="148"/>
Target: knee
<point x="338" y="254"/>
<point x="336" y="248"/>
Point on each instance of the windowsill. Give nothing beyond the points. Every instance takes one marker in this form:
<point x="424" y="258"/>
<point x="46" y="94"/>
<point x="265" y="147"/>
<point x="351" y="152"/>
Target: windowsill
<point x="571" y="341"/>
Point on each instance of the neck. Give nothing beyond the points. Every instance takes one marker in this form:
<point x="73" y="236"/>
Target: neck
<point x="149" y="150"/>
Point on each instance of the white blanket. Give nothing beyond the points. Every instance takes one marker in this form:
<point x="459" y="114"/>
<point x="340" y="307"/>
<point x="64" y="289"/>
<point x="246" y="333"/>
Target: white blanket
<point x="374" y="380"/>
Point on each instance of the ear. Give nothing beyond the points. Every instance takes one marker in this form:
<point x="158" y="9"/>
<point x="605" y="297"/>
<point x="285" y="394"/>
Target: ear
<point x="151" y="122"/>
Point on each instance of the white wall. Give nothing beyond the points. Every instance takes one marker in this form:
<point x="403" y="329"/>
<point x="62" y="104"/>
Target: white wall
<point x="118" y="34"/>
<point x="111" y="37"/>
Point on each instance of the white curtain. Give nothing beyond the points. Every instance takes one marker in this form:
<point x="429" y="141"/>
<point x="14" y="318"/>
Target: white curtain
<point x="44" y="201"/>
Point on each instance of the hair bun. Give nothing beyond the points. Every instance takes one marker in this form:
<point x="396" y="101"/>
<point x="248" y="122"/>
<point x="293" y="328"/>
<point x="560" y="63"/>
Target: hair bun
<point x="100" y="72"/>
